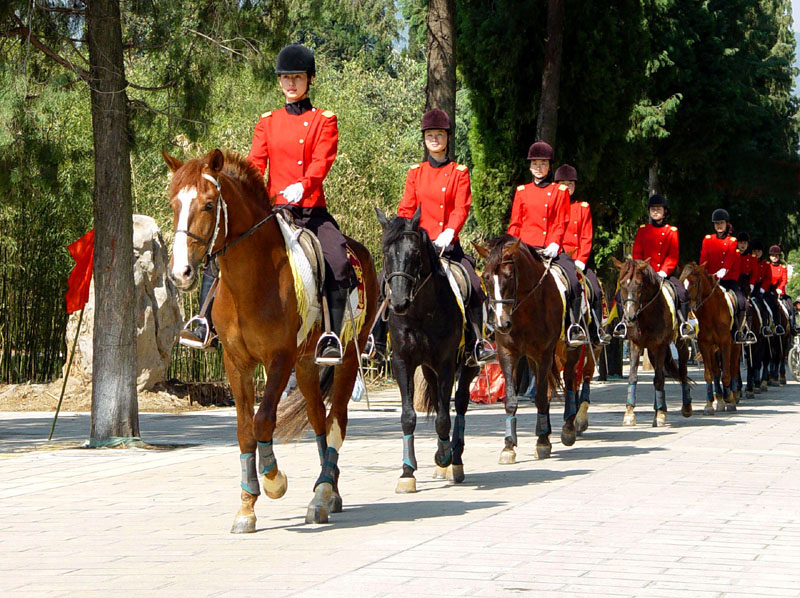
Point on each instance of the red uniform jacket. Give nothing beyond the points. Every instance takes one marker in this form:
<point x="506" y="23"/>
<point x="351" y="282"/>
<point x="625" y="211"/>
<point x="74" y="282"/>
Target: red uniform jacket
<point x="539" y="215"/>
<point x="779" y="278"/>
<point x="660" y="244"/>
<point x="719" y="253"/>
<point x="579" y="235"/>
<point x="444" y="194"/>
<point x="747" y="267"/>
<point x="299" y="149"/>
<point x="762" y="275"/>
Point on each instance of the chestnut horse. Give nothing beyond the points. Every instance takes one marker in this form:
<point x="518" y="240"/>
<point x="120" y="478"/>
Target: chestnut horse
<point x="221" y="206"/>
<point x="714" y="338"/>
<point x="651" y="326"/>
<point x="528" y="314"/>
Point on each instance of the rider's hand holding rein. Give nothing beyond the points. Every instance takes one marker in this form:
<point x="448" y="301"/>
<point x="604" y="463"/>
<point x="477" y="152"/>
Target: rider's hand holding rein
<point x="445" y="238"/>
<point x="293" y="193"/>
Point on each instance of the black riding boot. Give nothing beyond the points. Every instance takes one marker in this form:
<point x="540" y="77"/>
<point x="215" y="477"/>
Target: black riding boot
<point x="738" y="334"/>
<point x="598" y="334"/>
<point x="199" y="332"/>
<point x="479" y="353"/>
<point x="329" y="347"/>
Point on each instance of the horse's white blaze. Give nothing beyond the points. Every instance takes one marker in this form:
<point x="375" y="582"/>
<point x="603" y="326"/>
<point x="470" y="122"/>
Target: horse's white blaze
<point x="180" y="247"/>
<point x="335" y="439"/>
<point x="498" y="306"/>
<point x="686" y="284"/>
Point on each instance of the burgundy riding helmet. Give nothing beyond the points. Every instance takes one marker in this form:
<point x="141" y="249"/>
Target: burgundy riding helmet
<point x="775" y="249"/>
<point x="541" y="150"/>
<point x="565" y="172"/>
<point x="436" y="119"/>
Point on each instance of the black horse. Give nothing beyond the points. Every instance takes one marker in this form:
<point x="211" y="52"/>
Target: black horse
<point x="426" y="326"/>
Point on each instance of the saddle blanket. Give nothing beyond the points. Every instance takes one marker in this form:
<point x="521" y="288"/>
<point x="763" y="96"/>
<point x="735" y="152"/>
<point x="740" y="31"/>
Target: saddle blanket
<point x="308" y="270"/>
<point x="459" y="284"/>
<point x="562" y="282"/>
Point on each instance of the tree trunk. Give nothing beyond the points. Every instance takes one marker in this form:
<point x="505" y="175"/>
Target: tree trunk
<point x="115" y="412"/>
<point x="652" y="178"/>
<point x="440" y="89"/>
<point x="547" y="119"/>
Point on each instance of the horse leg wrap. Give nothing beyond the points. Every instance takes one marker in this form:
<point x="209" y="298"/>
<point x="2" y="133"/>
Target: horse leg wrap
<point x="709" y="391"/>
<point x="686" y="393"/>
<point x="660" y="402"/>
<point x="443" y="448"/>
<point x="717" y="385"/>
<point x="249" y="475"/>
<point x="322" y="446"/>
<point x="511" y="429"/>
<point x="631" y="400"/>
<point x="584" y="393"/>
<point x="543" y="424"/>
<point x="409" y="458"/>
<point x="329" y="467"/>
<point x="570" y="405"/>
<point x="457" y="445"/>
<point x="266" y="458"/>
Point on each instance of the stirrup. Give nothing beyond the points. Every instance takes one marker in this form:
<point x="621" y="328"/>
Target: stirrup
<point x="620" y="330"/>
<point x="739" y="337"/>
<point x="780" y="330"/>
<point x="489" y="353"/>
<point x="766" y="331"/>
<point x="319" y="359"/>
<point x="603" y="337"/>
<point x="368" y="352"/>
<point x="750" y="338"/>
<point x="188" y="338"/>
<point x="686" y="330"/>
<point x="576" y="336"/>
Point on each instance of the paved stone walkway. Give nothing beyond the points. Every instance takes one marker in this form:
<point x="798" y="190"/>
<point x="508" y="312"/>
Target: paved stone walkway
<point x="704" y="507"/>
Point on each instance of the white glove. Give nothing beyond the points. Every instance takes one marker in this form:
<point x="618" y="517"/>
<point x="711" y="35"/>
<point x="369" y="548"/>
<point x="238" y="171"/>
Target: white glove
<point x="752" y="287"/>
<point x="551" y="250"/>
<point x="662" y="274"/>
<point x="780" y="292"/>
<point x="445" y="238"/>
<point x="581" y="266"/>
<point x="293" y="193"/>
<point x="721" y="272"/>
<point x="762" y="290"/>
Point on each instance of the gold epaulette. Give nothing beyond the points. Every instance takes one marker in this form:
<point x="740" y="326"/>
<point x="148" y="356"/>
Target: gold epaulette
<point x="328" y="114"/>
<point x="733" y="239"/>
<point x="642" y="225"/>
<point x="266" y="114"/>
<point x="461" y="167"/>
<point x="562" y="187"/>
<point x="584" y="204"/>
<point x="413" y="166"/>
<point x="674" y="228"/>
<point x="708" y="236"/>
<point x="521" y="187"/>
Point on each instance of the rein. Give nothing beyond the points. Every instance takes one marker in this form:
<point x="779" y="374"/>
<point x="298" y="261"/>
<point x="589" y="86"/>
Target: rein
<point x="516" y="304"/>
<point x="415" y="288"/>
<point x="697" y="306"/>
<point x="646" y="305"/>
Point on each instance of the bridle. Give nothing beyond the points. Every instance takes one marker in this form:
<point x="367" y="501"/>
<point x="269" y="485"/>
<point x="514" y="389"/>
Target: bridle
<point x="222" y="209"/>
<point x="646" y="305"/>
<point x="515" y="302"/>
<point x="715" y="286"/>
<point x="416" y="285"/>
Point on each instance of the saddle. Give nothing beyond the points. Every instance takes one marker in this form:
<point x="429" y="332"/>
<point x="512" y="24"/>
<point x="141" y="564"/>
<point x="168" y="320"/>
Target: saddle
<point x="460" y="276"/>
<point x="308" y="270"/>
<point x="730" y="301"/>
<point x="671" y="298"/>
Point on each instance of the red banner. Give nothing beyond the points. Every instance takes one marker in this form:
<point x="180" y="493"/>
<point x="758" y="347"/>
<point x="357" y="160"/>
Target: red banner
<point x="82" y="251"/>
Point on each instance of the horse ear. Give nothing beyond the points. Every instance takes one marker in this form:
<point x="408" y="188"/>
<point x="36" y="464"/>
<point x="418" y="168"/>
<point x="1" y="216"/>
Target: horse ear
<point x="482" y="251"/>
<point x="384" y="222"/>
<point x="644" y="264"/>
<point x="216" y="160"/>
<point x="416" y="217"/>
<point x="172" y="162"/>
<point x="514" y="247"/>
<point x="617" y="264"/>
<point x="703" y="266"/>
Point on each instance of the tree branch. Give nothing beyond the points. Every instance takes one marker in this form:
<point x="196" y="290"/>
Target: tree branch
<point x="62" y="10"/>
<point x="212" y="40"/>
<point x="22" y="32"/>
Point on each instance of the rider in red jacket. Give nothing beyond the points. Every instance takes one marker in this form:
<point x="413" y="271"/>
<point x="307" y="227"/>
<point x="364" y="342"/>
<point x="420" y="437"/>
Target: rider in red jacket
<point x="720" y="256"/>
<point x="779" y="277"/>
<point x="539" y="218"/>
<point x="578" y="244"/>
<point x="658" y="241"/>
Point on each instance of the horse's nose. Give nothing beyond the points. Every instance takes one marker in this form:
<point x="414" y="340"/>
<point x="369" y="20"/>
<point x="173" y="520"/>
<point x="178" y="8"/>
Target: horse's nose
<point x="504" y="327"/>
<point x="183" y="278"/>
<point x="400" y="307"/>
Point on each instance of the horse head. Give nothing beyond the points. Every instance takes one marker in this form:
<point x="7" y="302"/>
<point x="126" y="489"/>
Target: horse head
<point x="636" y="278"/>
<point x="404" y="246"/>
<point x="500" y="279"/>
<point x="692" y="277"/>
<point x="195" y="196"/>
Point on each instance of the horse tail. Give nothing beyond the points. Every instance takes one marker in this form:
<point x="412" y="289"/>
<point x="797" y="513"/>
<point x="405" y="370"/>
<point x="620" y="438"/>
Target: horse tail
<point x="292" y="411"/>
<point x="671" y="369"/>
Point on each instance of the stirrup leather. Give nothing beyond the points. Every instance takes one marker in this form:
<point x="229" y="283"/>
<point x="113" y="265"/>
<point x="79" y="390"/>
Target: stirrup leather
<point x="620" y="330"/>
<point x="319" y="359"/>
<point x="187" y="337"/>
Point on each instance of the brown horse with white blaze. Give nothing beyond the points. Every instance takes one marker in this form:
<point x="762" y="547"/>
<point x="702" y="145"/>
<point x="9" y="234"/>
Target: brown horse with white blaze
<point x="221" y="206"/>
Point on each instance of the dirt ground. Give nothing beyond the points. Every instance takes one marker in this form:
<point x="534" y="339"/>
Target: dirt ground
<point x="174" y="398"/>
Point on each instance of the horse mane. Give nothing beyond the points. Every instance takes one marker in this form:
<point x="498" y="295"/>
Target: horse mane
<point x="394" y="232"/>
<point x="239" y="168"/>
<point x="629" y="269"/>
<point x="497" y="245"/>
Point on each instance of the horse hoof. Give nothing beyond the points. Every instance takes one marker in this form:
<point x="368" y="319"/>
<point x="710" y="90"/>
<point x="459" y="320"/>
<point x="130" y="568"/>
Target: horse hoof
<point x="406" y="486"/>
<point x="782" y="381"/>
<point x="455" y="473"/>
<point x="317" y="514"/>
<point x="582" y="419"/>
<point x="735" y="398"/>
<point x="709" y="408"/>
<point x="757" y="390"/>
<point x="568" y="436"/>
<point x="660" y="419"/>
<point x="507" y="457"/>
<point x="719" y="406"/>
<point x="686" y="411"/>
<point x="276" y="487"/>
<point x="629" y="419"/>
<point x="730" y="407"/>
<point x="543" y="451"/>
<point x="749" y="395"/>
<point x="335" y="503"/>
<point x="439" y="473"/>
<point x="244" y="524"/>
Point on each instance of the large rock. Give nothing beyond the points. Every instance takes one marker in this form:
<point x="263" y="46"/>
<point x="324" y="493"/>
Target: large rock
<point x="158" y="311"/>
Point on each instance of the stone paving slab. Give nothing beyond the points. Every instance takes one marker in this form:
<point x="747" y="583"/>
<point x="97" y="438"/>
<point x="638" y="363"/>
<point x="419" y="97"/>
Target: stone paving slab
<point x="706" y="506"/>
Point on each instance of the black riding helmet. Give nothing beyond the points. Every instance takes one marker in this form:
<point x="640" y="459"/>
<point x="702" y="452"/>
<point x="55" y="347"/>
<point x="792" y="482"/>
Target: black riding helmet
<point x="295" y="58"/>
<point x="720" y="215"/>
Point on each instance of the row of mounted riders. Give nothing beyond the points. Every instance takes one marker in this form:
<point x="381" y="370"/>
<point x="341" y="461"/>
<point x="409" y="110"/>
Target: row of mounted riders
<point x="544" y="301"/>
